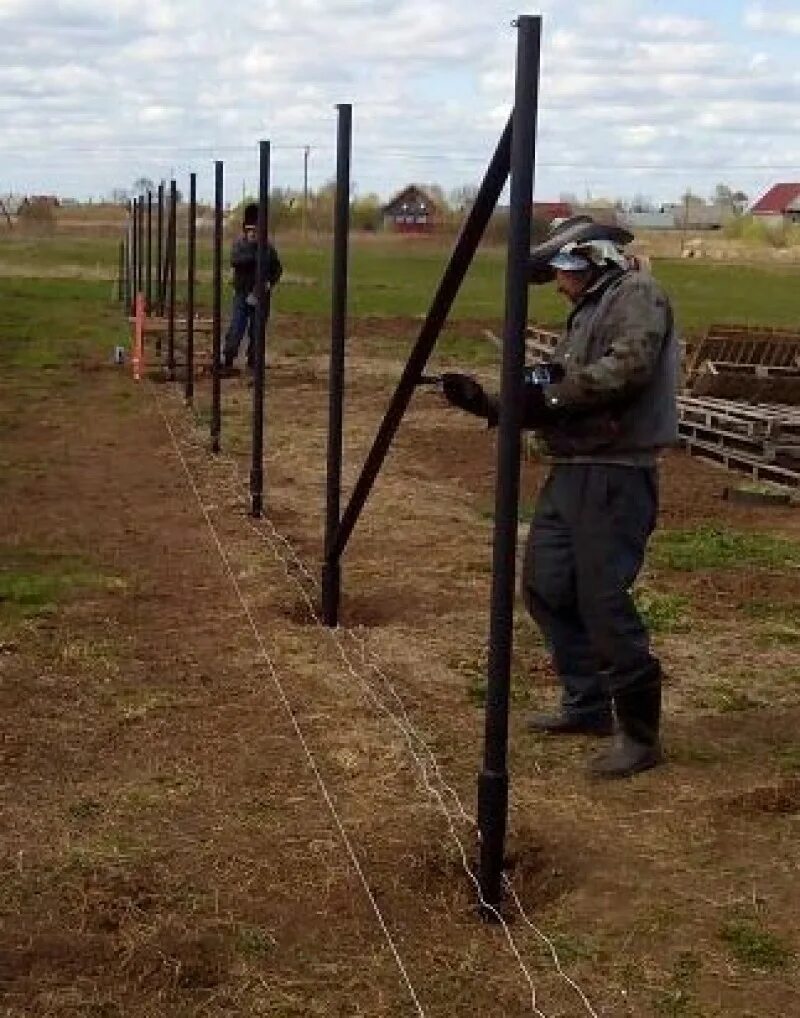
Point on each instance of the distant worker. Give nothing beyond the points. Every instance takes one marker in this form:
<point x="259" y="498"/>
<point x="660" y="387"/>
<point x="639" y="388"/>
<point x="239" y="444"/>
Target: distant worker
<point x="604" y="406"/>
<point x="243" y="262"/>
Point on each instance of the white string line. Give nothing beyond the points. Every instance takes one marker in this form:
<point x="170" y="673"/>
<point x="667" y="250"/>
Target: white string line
<point x="295" y="724"/>
<point x="410" y="733"/>
<point x="550" y="946"/>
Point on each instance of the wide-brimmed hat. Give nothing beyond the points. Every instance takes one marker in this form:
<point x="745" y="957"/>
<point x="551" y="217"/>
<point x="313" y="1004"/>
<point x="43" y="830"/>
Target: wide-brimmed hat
<point x="573" y="245"/>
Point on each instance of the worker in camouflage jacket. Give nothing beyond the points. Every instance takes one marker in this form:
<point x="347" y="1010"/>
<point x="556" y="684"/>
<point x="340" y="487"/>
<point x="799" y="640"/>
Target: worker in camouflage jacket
<point x="604" y="406"/>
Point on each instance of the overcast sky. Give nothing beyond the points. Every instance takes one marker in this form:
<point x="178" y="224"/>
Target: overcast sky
<point x="644" y="97"/>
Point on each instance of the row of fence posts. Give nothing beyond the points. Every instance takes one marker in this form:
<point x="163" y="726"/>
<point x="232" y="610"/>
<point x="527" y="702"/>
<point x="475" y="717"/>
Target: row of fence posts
<point x="514" y="155"/>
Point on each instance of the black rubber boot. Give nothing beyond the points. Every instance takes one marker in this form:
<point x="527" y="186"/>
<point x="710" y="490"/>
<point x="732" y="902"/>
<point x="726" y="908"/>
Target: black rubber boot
<point x="566" y="724"/>
<point x="636" y="745"/>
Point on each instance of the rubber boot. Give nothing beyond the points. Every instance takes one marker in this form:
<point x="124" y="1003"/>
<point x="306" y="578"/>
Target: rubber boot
<point x="636" y="745"/>
<point x="569" y="724"/>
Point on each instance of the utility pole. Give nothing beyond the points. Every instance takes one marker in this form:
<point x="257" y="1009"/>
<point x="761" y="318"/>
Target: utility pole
<point x="304" y="218"/>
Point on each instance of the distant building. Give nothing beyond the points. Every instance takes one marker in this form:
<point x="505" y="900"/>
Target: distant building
<point x="49" y="201"/>
<point x="656" y="220"/>
<point x="781" y="204"/>
<point x="412" y="210"/>
<point x="547" y="211"/>
<point x="695" y="214"/>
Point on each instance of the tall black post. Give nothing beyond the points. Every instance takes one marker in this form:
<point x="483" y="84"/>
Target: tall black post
<point x="331" y="569"/>
<point x="190" y="260"/>
<point x="173" y="271"/>
<point x="140" y="246"/>
<point x="135" y="250"/>
<point x="121" y="272"/>
<point x="493" y="780"/>
<point x="160" y="249"/>
<point x="149" y="281"/>
<point x="128" y="263"/>
<point x="216" y="341"/>
<point x="260" y="338"/>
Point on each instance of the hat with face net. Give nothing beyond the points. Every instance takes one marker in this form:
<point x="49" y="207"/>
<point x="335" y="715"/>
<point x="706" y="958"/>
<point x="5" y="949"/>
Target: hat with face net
<point x="577" y="244"/>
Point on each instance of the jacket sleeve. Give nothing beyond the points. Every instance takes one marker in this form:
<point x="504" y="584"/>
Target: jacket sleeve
<point x="274" y="266"/>
<point x="636" y="325"/>
<point x="243" y="253"/>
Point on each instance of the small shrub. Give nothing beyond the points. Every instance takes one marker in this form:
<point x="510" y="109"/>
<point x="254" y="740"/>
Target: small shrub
<point x="756" y="948"/>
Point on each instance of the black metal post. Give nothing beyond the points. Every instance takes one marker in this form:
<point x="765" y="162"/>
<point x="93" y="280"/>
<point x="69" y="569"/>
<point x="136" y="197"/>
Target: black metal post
<point x="165" y="270"/>
<point x="190" y="259"/>
<point x="331" y="569"/>
<point x="173" y="271"/>
<point x="149" y="283"/>
<point x="128" y="262"/>
<point x="135" y="251"/>
<point x="216" y="340"/>
<point x="260" y="338"/>
<point x="465" y="247"/>
<point x="140" y="246"/>
<point x="160" y="249"/>
<point x="121" y="272"/>
<point x="493" y="780"/>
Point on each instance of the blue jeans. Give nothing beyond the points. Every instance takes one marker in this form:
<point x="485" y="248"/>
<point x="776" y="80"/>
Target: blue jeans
<point x="585" y="548"/>
<point x="242" y="319"/>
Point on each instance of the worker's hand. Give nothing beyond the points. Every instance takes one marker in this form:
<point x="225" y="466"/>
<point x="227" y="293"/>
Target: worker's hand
<point x="464" y="392"/>
<point x="251" y="300"/>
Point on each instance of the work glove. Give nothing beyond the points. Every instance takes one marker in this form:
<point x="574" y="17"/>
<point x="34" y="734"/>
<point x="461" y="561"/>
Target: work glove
<point x="464" y="392"/>
<point x="536" y="411"/>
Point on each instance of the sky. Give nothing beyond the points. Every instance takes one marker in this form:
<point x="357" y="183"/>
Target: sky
<point x="637" y="99"/>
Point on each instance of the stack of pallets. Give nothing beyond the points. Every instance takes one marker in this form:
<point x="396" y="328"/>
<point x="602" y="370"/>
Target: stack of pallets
<point x="740" y="362"/>
<point x="761" y="440"/>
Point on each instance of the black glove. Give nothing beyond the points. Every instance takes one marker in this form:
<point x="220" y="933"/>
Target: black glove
<point x="464" y="392"/>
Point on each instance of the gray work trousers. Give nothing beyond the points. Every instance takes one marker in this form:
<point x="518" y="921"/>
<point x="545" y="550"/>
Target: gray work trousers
<point x="585" y="548"/>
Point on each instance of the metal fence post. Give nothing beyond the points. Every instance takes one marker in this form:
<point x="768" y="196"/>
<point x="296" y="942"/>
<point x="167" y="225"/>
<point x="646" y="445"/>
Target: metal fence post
<point x="260" y="337"/>
<point x="331" y="570"/>
<point x="190" y="274"/>
<point x="216" y="336"/>
<point x="493" y="780"/>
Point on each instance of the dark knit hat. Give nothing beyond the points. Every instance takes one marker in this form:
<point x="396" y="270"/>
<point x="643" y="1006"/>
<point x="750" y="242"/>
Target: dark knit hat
<point x="250" y="214"/>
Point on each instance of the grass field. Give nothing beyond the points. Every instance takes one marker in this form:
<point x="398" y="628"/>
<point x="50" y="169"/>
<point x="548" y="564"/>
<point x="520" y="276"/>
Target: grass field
<point x="397" y="277"/>
<point x="165" y="849"/>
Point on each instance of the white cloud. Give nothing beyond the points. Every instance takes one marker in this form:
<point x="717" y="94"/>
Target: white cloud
<point x="159" y="86"/>
<point x="778" y="20"/>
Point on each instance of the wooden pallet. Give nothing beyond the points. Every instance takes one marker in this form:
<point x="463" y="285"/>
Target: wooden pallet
<point x="159" y="326"/>
<point x="742" y="462"/>
<point x="740" y="344"/>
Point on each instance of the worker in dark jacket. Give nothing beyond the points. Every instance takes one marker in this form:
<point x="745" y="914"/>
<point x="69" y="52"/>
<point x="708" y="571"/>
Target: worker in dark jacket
<point x="243" y="262"/>
<point x="604" y="406"/>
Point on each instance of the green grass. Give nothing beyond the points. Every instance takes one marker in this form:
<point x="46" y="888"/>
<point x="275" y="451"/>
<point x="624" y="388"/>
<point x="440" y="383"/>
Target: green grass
<point x="709" y="547"/>
<point x="45" y="325"/>
<point x="32" y="582"/>
<point x="398" y="276"/>
<point x="754" y="947"/>
<point x="663" y="613"/>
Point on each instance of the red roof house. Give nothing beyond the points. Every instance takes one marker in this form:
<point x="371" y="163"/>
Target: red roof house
<point x="550" y="210"/>
<point x="780" y="201"/>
